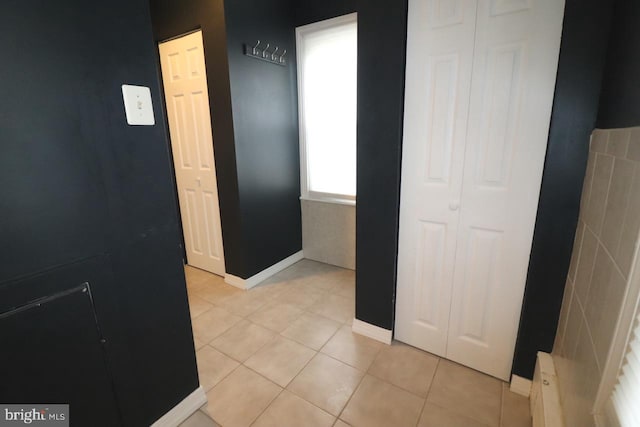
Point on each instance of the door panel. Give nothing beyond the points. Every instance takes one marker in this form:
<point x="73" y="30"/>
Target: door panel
<point x="478" y="175"/>
<point x="515" y="62"/>
<point x="436" y="106"/>
<point x="185" y="86"/>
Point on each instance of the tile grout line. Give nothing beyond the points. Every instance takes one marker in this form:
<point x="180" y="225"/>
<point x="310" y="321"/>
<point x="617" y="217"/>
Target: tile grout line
<point x="424" y="405"/>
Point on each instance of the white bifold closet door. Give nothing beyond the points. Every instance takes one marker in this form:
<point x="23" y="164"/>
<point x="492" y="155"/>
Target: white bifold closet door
<point x="479" y="89"/>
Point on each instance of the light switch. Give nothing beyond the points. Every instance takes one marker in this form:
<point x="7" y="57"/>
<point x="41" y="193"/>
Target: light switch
<point x="137" y="105"/>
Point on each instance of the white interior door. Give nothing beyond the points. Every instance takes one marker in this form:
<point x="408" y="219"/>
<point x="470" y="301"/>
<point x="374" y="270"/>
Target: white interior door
<point x="185" y="87"/>
<point x="439" y="66"/>
<point x="514" y="64"/>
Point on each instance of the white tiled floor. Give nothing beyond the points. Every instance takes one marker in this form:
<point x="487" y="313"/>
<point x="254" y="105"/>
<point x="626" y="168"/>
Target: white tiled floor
<point x="283" y="354"/>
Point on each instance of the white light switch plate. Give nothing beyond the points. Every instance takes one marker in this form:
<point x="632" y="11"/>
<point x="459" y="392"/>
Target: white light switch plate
<point x="137" y="105"/>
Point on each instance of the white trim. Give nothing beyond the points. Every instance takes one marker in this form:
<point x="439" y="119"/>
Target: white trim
<point x="620" y="340"/>
<point x="252" y="281"/>
<point x="372" y="331"/>
<point x="182" y="410"/>
<point x="520" y="385"/>
<point x="331" y="201"/>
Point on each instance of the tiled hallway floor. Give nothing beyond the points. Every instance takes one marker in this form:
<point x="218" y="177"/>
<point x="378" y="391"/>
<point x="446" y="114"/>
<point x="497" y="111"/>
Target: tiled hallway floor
<point x="283" y="354"/>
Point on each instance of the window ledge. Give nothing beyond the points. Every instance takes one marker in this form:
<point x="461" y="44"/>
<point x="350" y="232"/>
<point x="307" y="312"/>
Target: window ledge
<point x="334" y="201"/>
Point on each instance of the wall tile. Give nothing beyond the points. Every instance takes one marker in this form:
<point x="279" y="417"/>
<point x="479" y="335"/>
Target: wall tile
<point x="608" y="302"/>
<point x="604" y="249"/>
<point x="564" y="313"/>
<point x="633" y="152"/>
<point x="577" y="243"/>
<point x="594" y="212"/>
<point x="586" y="185"/>
<point x="585" y="265"/>
<point x="618" y="142"/>
<point x="630" y="227"/>
<point x="621" y="180"/>
<point x="599" y="140"/>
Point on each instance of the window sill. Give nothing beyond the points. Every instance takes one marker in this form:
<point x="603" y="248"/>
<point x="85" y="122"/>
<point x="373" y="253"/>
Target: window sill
<point x="333" y="201"/>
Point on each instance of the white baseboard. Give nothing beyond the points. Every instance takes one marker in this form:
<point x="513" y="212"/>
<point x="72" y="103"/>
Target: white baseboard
<point x="182" y="410"/>
<point x="372" y="331"/>
<point x="252" y="281"/>
<point x="521" y="386"/>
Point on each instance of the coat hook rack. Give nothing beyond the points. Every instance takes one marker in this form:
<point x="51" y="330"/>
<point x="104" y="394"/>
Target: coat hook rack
<point x="264" y="54"/>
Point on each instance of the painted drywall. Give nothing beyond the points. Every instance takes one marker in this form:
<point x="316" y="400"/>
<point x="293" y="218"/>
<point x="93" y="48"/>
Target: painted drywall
<point x="329" y="233"/>
<point x="620" y="100"/>
<point x="265" y="121"/>
<point x="79" y="185"/>
<point x="254" y="121"/>
<point x="382" y="27"/>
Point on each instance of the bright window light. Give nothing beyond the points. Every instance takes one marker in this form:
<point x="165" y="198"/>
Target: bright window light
<point x="327" y="78"/>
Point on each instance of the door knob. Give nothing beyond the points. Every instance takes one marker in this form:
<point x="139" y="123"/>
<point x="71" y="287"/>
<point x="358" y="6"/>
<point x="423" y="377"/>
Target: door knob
<point x="454" y="205"/>
<point x="199" y="184"/>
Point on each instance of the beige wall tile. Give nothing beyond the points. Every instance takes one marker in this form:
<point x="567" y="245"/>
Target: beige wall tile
<point x="602" y="314"/>
<point x="586" y="185"/>
<point x="633" y="152"/>
<point x="329" y="233"/>
<point x="562" y="320"/>
<point x="577" y="243"/>
<point x="574" y="321"/>
<point x="593" y="213"/>
<point x="618" y="142"/>
<point x="599" y="140"/>
<point x="617" y="200"/>
<point x="602" y="269"/>
<point x="585" y="265"/>
<point x="630" y="227"/>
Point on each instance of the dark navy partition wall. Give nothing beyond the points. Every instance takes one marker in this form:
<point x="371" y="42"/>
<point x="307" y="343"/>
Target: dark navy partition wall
<point x="87" y="198"/>
<point x="620" y="100"/>
<point x="254" y="122"/>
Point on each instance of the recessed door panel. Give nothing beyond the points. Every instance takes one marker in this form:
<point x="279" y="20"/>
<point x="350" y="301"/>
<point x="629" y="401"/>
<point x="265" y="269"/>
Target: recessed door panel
<point x="185" y="86"/>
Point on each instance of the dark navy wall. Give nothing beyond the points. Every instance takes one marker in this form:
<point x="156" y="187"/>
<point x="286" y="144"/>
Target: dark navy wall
<point x="309" y="11"/>
<point x="265" y="122"/>
<point x="254" y="120"/>
<point x="85" y="193"/>
<point x="620" y="100"/>
<point x="575" y="107"/>
<point x="382" y="27"/>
